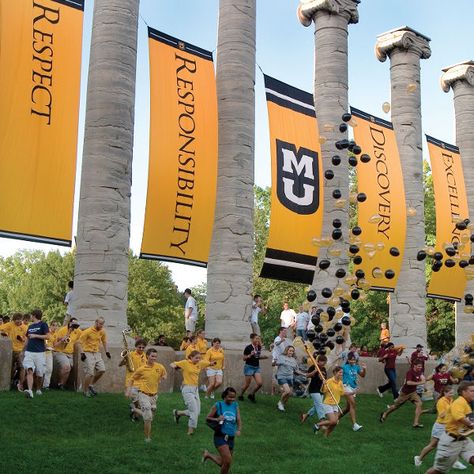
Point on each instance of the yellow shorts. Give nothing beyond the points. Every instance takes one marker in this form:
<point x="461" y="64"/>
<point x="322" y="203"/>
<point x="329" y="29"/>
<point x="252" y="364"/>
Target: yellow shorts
<point x="93" y="363"/>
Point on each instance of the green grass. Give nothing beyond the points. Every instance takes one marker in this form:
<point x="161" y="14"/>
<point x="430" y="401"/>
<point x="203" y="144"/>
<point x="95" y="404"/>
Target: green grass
<point x="67" y="433"/>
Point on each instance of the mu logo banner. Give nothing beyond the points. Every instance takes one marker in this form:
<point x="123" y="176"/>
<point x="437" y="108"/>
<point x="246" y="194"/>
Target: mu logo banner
<point x="296" y="213"/>
<point x="297" y="178"/>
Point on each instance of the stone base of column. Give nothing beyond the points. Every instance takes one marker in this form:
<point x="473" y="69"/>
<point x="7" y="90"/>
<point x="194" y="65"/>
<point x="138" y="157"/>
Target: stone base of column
<point x="464" y="325"/>
<point x="5" y="363"/>
<point x="235" y="335"/>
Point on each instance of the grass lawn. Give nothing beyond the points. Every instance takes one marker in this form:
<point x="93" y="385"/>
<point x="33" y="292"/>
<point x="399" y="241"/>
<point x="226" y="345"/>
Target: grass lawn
<point x="67" y="433"/>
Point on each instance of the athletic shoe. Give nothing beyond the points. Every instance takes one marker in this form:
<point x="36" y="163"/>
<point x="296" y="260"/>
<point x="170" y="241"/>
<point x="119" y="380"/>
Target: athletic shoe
<point x="19" y="387"/>
<point x="39" y="392"/>
<point x="356" y="427"/>
<point x="241" y="398"/>
<point x="61" y="387"/>
<point x="176" y="416"/>
<point x="251" y="397"/>
<point x="92" y="391"/>
<point x="417" y="426"/>
<point x="87" y="394"/>
<point x="459" y="465"/>
<point x="203" y="388"/>
<point x="132" y="417"/>
<point x="418" y="462"/>
<point x="147" y="440"/>
<point x="212" y="396"/>
<point x="379" y="393"/>
<point x="28" y="393"/>
<point x="280" y="406"/>
<point x="382" y="417"/>
<point x="206" y="397"/>
<point x="315" y="428"/>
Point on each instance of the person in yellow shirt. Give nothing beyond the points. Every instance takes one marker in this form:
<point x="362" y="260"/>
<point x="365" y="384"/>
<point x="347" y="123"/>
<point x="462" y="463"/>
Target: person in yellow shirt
<point x="185" y="343"/>
<point x="384" y="334"/>
<point x="454" y="443"/>
<point x="15" y="330"/>
<point x="138" y="358"/>
<point x="215" y="373"/>
<point x="66" y="338"/>
<point x="333" y="390"/>
<point x="201" y="342"/>
<point x="192" y="346"/>
<point x="147" y="378"/>
<point x="94" y="367"/>
<point x="53" y="330"/>
<point x="191" y="368"/>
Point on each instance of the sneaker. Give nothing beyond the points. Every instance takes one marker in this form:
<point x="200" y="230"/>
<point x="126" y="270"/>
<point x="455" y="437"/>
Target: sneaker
<point x="19" y="387"/>
<point x="280" y="406"/>
<point x="176" y="416"/>
<point x="61" y="387"/>
<point x="212" y="396"/>
<point x="39" y="392"/>
<point x="382" y="417"/>
<point x="147" y="440"/>
<point x="241" y="398"/>
<point x="88" y="394"/>
<point x="206" y="397"/>
<point x="315" y="428"/>
<point x="379" y="393"/>
<point x="356" y="427"/>
<point x="418" y="462"/>
<point x="92" y="391"/>
<point x="28" y="393"/>
<point x="459" y="465"/>
<point x="133" y="418"/>
<point x="251" y="397"/>
<point x="203" y="388"/>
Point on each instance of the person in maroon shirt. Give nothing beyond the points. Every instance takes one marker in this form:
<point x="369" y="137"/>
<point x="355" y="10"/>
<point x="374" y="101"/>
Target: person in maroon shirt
<point x="388" y="354"/>
<point x="413" y="379"/>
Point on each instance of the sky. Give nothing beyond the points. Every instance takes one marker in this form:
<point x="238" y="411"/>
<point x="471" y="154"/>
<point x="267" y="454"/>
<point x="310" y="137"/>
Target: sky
<point x="285" y="50"/>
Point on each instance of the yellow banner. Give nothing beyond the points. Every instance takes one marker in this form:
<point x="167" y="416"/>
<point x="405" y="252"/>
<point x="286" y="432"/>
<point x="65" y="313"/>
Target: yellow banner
<point x="40" y="64"/>
<point x="451" y="205"/>
<point x="183" y="152"/>
<point x="382" y="216"/>
<point x="297" y="187"/>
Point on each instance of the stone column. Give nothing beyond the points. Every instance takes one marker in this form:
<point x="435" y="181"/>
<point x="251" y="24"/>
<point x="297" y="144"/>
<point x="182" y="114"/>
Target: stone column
<point x="103" y="230"/>
<point x="405" y="47"/>
<point x="230" y="270"/>
<point x="460" y="78"/>
<point x="331" y="19"/>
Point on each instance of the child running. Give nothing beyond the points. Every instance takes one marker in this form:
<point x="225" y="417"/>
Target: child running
<point x="227" y="413"/>
<point x="191" y="368"/>
<point x="287" y="366"/>
<point x="350" y="371"/>
<point x="442" y="407"/>
<point x="333" y="390"/>
<point x="315" y="388"/>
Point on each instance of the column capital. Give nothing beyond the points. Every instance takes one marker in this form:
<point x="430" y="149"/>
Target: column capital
<point x="458" y="72"/>
<point x="403" y="38"/>
<point x="307" y="9"/>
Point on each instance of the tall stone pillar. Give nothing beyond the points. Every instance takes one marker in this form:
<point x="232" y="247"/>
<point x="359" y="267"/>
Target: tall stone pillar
<point x="405" y="47"/>
<point x="331" y="19"/>
<point x="460" y="78"/>
<point x="229" y="274"/>
<point x="103" y="233"/>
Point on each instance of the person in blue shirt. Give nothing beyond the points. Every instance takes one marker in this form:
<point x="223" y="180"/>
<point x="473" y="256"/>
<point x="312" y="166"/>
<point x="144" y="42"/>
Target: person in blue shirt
<point x="227" y="413"/>
<point x="34" y="361"/>
<point x="350" y="371"/>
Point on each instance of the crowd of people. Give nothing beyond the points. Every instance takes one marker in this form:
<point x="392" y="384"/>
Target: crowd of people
<point x="39" y="347"/>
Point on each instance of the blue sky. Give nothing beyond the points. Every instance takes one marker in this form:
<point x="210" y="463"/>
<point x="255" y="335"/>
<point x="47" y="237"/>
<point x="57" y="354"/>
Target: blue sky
<point x="285" y="50"/>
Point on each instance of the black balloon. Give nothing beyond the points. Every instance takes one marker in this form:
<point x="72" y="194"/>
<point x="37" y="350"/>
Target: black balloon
<point x="311" y="295"/>
<point x="471" y="260"/>
<point x="322" y="352"/>
<point x="337" y="223"/>
<point x="353" y="248"/>
<point x="389" y="274"/>
<point x="340" y="273"/>
<point x="323" y="264"/>
<point x="352" y="160"/>
<point x="355" y="293"/>
<point x="337" y="327"/>
<point x="357" y="260"/>
<point x="394" y="252"/>
<point x="356" y="230"/>
<point x="346" y="320"/>
<point x="436" y="267"/>
<point x="451" y="251"/>
<point x="336" y="160"/>
<point x="357" y="150"/>
<point x="346" y="117"/>
<point x="362" y="197"/>
<point x="461" y="225"/>
<point x="339" y="340"/>
<point x="315" y="319"/>
<point x="323" y="337"/>
<point x="359" y="273"/>
<point x="336" y="234"/>
<point x="329" y="174"/>
<point x="310" y="334"/>
<point x="438" y="256"/>
<point x="472" y="237"/>
<point x="343" y="127"/>
<point x="331" y="311"/>
<point x="364" y="158"/>
<point x="330" y="332"/>
<point x="468" y="298"/>
<point x="336" y="194"/>
<point x="463" y="263"/>
<point x="319" y="329"/>
<point x="330" y="344"/>
<point x="341" y="144"/>
<point x="326" y="292"/>
<point x="421" y="255"/>
<point x="450" y="262"/>
<point x="317" y="345"/>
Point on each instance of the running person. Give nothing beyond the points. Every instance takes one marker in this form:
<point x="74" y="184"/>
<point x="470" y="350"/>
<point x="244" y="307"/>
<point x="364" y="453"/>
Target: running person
<point x="226" y="412"/>
<point x="215" y="373"/>
<point x="287" y="366"/>
<point x="350" y="371"/>
<point x="252" y="356"/>
<point x="388" y="356"/>
<point x="315" y="388"/>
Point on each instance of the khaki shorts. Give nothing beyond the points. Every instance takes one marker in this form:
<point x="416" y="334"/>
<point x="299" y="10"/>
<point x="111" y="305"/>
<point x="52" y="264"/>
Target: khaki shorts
<point x="449" y="450"/>
<point x="407" y="397"/>
<point x="93" y="363"/>
<point x="36" y="361"/>
<point x="63" y="360"/>
<point x="147" y="405"/>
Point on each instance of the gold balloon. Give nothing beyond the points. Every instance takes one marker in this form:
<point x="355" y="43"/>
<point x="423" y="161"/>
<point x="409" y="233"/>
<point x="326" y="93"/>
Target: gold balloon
<point x="368" y="247"/>
<point x="465" y="238"/>
<point x="377" y="272"/>
<point x="334" y="301"/>
<point x="411" y="212"/>
<point x="375" y="219"/>
<point x="338" y="291"/>
<point x="468" y="309"/>
<point x="363" y="296"/>
<point x="379" y="246"/>
<point x="430" y="251"/>
<point x="326" y="242"/>
<point x="340" y="203"/>
<point x="371" y="254"/>
<point x="328" y="127"/>
<point x="316" y="241"/>
<point x="353" y="197"/>
<point x="364" y="284"/>
<point x="355" y="239"/>
<point x="347" y="295"/>
<point x="353" y="122"/>
<point x="412" y="87"/>
<point x="324" y="316"/>
<point x="349" y="280"/>
<point x="386" y="107"/>
<point x="335" y="251"/>
<point x="339" y="314"/>
<point x="322" y="140"/>
<point x="457" y="219"/>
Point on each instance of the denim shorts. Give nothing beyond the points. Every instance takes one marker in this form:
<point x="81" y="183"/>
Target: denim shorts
<point x="222" y="440"/>
<point x="285" y="380"/>
<point x="250" y="370"/>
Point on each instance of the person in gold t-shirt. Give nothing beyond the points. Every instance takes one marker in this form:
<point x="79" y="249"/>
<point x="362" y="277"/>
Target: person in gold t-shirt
<point x="214" y="374"/>
<point x="53" y="331"/>
<point x="15" y="330"/>
<point x="454" y="442"/>
<point x="147" y="378"/>
<point x="191" y="368"/>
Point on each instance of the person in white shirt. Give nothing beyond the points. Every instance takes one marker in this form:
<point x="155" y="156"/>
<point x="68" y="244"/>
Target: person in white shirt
<point x="302" y="321"/>
<point x="257" y="309"/>
<point x="287" y="318"/>
<point x="68" y="302"/>
<point x="190" y="311"/>
<point x="280" y="343"/>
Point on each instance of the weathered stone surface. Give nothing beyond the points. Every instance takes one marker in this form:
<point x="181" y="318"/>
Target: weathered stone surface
<point x="229" y="275"/>
<point x="101" y="273"/>
<point x="405" y="47"/>
<point x="460" y="78"/>
<point x="5" y="363"/>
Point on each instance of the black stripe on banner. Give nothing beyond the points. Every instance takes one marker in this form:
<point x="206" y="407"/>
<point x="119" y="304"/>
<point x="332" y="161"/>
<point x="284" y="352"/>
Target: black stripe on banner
<point x="165" y="258"/>
<point x="442" y="297"/>
<point x="77" y="4"/>
<point x="382" y="288"/>
<point x="35" y="238"/>
<point x="290" y="105"/>
<point x="294" y="275"/>
<point x="441" y="144"/>
<point x="371" y="118"/>
<point x="291" y="256"/>
<point x="178" y="44"/>
<point x="290" y="91"/>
